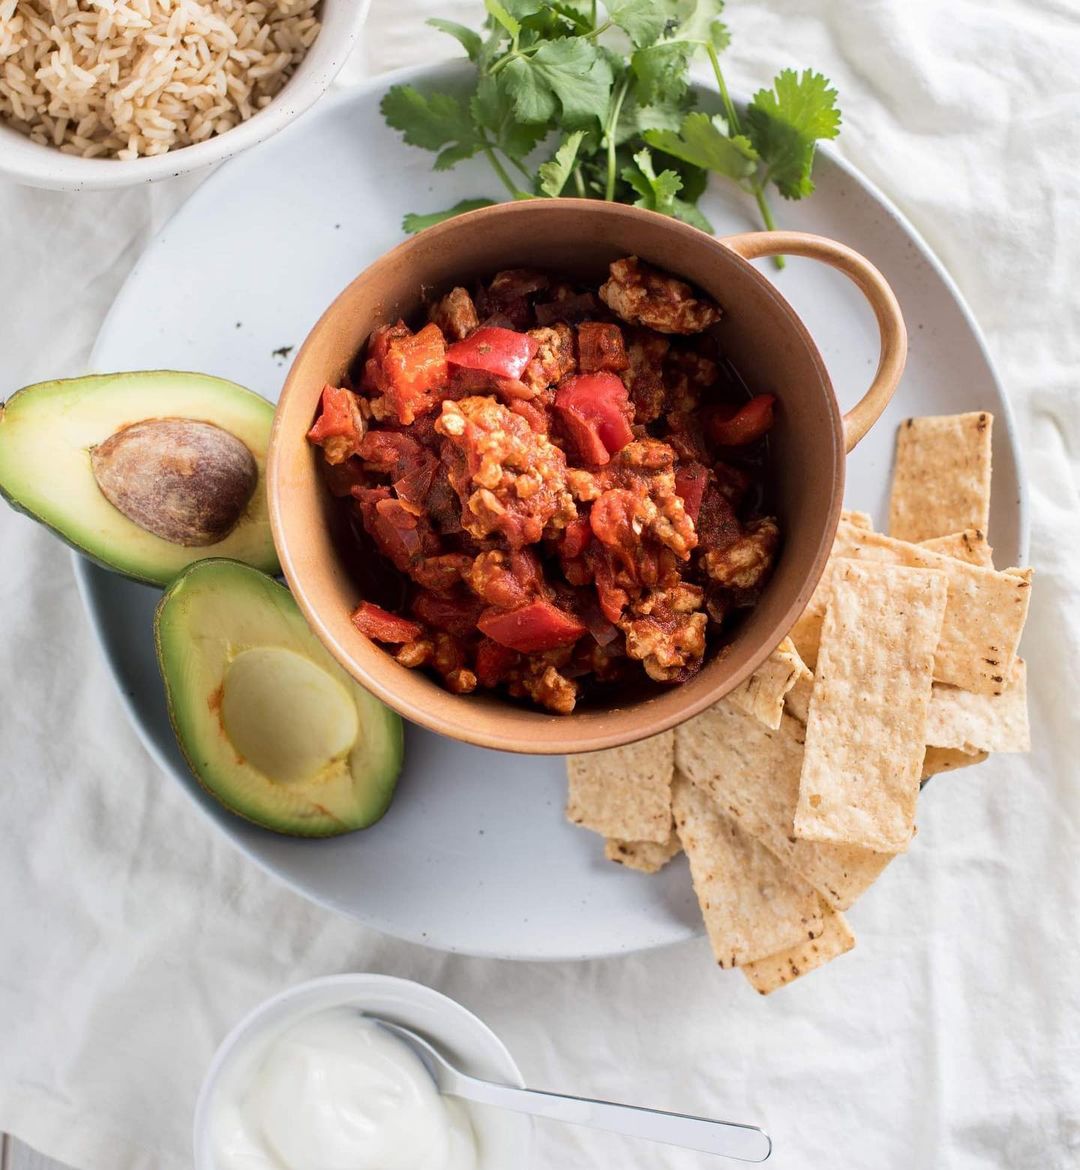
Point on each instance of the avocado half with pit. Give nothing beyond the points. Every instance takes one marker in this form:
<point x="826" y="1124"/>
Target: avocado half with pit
<point x="270" y="724"/>
<point x="142" y="472"/>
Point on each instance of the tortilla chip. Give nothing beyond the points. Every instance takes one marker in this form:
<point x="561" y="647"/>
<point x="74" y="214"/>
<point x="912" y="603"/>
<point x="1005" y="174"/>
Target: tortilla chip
<point x="752" y="904"/>
<point x="752" y="774"/>
<point x="865" y="735"/>
<point x="970" y="545"/>
<point x="762" y="694"/>
<point x="646" y="856"/>
<point x="624" y="792"/>
<point x="837" y="938"/>
<point x="859" y="519"/>
<point x="984" y="616"/>
<point x="941" y="482"/>
<point x="797" y="700"/>
<point x="937" y="760"/>
<point x="981" y="723"/>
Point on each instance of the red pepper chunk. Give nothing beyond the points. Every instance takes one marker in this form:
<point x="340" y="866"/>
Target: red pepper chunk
<point x="413" y="368"/>
<point x="594" y="409"/>
<point x="691" y="479"/>
<point x="339" y="427"/>
<point x="532" y="629"/>
<point x="383" y="626"/>
<point x="501" y="352"/>
<point x="745" y="425"/>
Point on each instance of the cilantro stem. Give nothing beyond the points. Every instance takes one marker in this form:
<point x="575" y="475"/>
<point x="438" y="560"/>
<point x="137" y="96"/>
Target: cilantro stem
<point x="500" y="170"/>
<point x="579" y="183"/>
<point x="757" y="188"/>
<point x="609" y="137"/>
<point x="592" y="17"/>
<point x="589" y="36"/>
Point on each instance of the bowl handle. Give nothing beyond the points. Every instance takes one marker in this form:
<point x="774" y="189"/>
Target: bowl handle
<point x="873" y="286"/>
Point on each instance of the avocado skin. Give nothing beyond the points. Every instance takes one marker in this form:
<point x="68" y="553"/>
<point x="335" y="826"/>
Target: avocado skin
<point x="113" y="556"/>
<point x="385" y="731"/>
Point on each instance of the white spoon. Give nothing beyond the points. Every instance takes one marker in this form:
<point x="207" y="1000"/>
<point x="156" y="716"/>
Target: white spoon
<point x="726" y="1138"/>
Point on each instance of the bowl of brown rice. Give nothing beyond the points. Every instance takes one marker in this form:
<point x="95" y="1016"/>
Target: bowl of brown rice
<point x="109" y="93"/>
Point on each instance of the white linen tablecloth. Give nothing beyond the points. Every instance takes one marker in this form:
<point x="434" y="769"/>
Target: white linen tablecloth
<point x="132" y="936"/>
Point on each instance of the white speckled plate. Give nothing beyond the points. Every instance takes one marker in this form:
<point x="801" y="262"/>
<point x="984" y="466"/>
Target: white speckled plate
<point x="474" y="855"/>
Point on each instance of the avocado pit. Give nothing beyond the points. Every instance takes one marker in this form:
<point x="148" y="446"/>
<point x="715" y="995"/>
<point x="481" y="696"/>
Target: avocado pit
<point x="183" y="480"/>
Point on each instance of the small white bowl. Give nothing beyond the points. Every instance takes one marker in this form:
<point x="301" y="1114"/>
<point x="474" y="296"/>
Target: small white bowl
<point x="45" y="166"/>
<point x="503" y="1139"/>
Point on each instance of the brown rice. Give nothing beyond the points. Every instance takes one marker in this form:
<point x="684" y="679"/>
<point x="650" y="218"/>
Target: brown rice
<point x="124" y="78"/>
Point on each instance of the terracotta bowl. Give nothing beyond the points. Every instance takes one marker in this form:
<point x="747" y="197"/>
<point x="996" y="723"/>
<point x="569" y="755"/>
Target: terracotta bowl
<point x="761" y="334"/>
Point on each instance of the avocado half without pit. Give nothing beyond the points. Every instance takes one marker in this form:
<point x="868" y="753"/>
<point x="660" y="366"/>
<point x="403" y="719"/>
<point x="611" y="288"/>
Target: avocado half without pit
<point x="269" y="723"/>
<point x="142" y="472"/>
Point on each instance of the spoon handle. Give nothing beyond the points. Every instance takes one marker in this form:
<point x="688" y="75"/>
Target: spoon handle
<point x="730" y="1140"/>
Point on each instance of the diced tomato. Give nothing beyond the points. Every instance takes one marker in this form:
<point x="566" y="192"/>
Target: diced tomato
<point x="383" y="626"/>
<point x="691" y="479"/>
<point x="532" y="629"/>
<point x="575" y="538"/>
<point x="455" y="615"/>
<point x="601" y="347"/>
<point x="612" y="598"/>
<point x="502" y="352"/>
<point x="411" y="371"/>
<point x="339" y="428"/>
<point x="373" y="380"/>
<point x="736" y="428"/>
<point x="400" y="530"/>
<point x="493" y="662"/>
<point x="594" y="410"/>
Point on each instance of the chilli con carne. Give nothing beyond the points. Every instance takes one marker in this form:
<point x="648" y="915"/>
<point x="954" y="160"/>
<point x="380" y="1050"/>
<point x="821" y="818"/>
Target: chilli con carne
<point x="566" y="482"/>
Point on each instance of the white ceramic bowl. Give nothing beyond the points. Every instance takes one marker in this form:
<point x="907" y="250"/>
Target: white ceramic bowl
<point x="503" y="1138"/>
<point x="45" y="166"/>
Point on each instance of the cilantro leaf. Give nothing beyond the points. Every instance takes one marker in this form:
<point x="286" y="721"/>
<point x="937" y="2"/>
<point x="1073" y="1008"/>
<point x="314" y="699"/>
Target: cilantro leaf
<point x="643" y="21"/>
<point x="688" y="212"/>
<point x="569" y="72"/>
<point x="554" y="173"/>
<point x="499" y="14"/>
<point x="705" y="142"/>
<point x="470" y="41"/>
<point x="785" y="124"/>
<point x="656" y="191"/>
<point x="701" y="21"/>
<point x="660" y="71"/>
<point x="491" y="112"/>
<point x="416" y="223"/>
<point x="431" y="121"/>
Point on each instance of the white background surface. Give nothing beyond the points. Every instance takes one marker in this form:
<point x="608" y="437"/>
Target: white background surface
<point x="132" y="937"/>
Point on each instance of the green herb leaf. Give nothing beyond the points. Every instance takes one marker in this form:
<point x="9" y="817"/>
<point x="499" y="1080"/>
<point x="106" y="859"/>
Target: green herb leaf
<point x="528" y="92"/>
<point x="554" y="174"/>
<point x="701" y="22"/>
<point x="498" y="13"/>
<point x="785" y="124"/>
<point x="705" y="142"/>
<point x="656" y="191"/>
<point x="635" y="119"/>
<point x="660" y="71"/>
<point x="643" y="21"/>
<point x="688" y="212"/>
<point x="429" y="120"/>
<point x="570" y="73"/>
<point x="416" y="223"/>
<point x="470" y="41"/>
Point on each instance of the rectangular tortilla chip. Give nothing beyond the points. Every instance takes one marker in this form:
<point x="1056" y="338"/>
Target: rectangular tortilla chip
<point x="937" y="760"/>
<point x="762" y="694"/>
<point x="775" y="971"/>
<point x="981" y="723"/>
<point x="984" y="617"/>
<point x="797" y="700"/>
<point x="624" y="792"/>
<point x="752" y="774"/>
<point x="646" y="856"/>
<point x="865" y="736"/>
<point x="970" y="545"/>
<point x="859" y="519"/>
<point x="752" y="904"/>
<point x="941" y="482"/>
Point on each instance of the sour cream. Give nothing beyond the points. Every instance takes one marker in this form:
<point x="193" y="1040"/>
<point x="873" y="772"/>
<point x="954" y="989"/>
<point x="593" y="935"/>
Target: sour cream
<point x="337" y="1092"/>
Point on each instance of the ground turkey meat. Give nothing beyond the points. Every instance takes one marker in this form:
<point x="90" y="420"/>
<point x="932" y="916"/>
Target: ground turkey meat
<point x="644" y="296"/>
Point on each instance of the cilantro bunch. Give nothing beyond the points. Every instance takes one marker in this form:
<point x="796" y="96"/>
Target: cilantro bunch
<point x="612" y="83"/>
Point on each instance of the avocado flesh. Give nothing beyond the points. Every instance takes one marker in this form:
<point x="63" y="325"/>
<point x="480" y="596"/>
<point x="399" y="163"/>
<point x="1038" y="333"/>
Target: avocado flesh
<point x="269" y="723"/>
<point x="47" y="431"/>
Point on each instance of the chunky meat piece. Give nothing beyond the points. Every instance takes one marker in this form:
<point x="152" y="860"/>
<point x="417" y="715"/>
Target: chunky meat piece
<point x="643" y="375"/>
<point x="505" y="300"/>
<point x="506" y="580"/>
<point x="745" y="563"/>
<point x="440" y="572"/>
<point x="567" y="304"/>
<point x="510" y="480"/>
<point x="642" y="295"/>
<point x="665" y="630"/>
<point x="554" y="358"/>
<point x="645" y="471"/>
<point x="601" y="347"/>
<point x="546" y="686"/>
<point x="450" y="659"/>
<point x="339" y="429"/>
<point x="455" y="314"/>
